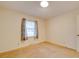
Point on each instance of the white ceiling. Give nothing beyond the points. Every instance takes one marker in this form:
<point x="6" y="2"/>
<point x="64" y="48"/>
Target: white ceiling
<point x="33" y="8"/>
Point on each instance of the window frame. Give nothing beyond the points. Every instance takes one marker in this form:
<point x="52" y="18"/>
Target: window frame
<point x="23" y="37"/>
<point x="35" y="28"/>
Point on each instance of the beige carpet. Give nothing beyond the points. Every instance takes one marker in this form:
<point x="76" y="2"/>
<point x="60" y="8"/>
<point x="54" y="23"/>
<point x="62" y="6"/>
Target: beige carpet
<point x="42" y="50"/>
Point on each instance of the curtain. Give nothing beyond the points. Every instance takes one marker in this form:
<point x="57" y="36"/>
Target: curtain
<point x="23" y="38"/>
<point x="36" y="29"/>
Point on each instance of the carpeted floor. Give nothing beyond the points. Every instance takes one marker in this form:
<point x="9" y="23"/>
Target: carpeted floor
<point x="42" y="50"/>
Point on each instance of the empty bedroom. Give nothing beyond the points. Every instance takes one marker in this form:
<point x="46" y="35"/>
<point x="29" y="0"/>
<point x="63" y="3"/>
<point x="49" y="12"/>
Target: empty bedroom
<point x="39" y="29"/>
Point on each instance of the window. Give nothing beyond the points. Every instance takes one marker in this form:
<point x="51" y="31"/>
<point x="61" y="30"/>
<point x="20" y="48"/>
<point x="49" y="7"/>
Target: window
<point x="29" y="29"/>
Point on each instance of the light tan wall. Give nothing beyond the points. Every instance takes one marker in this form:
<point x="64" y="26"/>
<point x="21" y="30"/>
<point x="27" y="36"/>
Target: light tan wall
<point x="77" y="32"/>
<point x="10" y="30"/>
<point x="62" y="29"/>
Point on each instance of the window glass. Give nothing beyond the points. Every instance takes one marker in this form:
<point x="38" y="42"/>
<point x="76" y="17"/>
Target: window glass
<point x="30" y="28"/>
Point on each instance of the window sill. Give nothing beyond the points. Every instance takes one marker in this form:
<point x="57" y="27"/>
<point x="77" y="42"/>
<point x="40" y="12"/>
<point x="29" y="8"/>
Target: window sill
<point x="31" y="37"/>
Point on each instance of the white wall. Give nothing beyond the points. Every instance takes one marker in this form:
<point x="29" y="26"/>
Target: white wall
<point x="10" y="30"/>
<point x="77" y="32"/>
<point x="59" y="30"/>
<point x="62" y="29"/>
